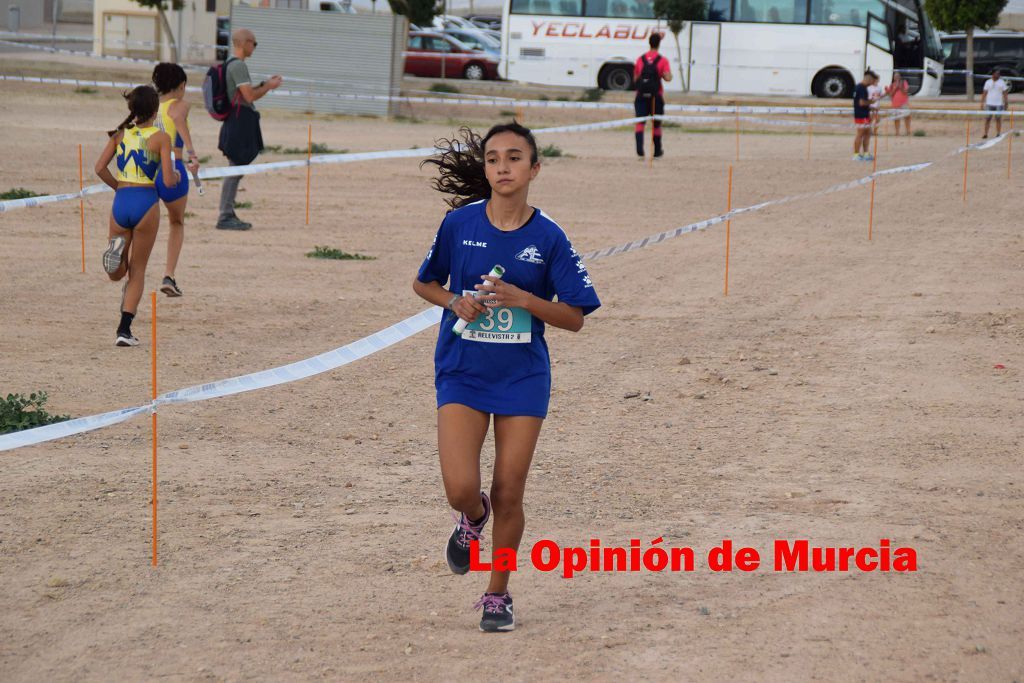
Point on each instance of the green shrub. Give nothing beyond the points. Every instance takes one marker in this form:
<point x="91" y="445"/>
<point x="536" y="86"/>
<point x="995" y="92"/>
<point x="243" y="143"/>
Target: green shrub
<point x="444" y="87"/>
<point x="550" y="151"/>
<point x="919" y="133"/>
<point x="86" y="90"/>
<point x="337" y="254"/>
<point x="592" y="95"/>
<point x="243" y="205"/>
<point x="315" y="148"/>
<point x="19" y="193"/>
<point x="18" y="413"/>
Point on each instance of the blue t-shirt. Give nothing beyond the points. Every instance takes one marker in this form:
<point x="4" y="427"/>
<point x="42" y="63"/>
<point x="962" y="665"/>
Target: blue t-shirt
<point x="861" y="93"/>
<point x="500" y="363"/>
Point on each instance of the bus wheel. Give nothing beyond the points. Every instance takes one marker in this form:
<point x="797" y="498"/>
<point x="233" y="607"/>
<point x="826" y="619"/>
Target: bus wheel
<point x="616" y="77"/>
<point x="473" y="72"/>
<point x="834" y="83"/>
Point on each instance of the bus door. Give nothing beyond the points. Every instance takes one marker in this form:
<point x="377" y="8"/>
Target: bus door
<point x="702" y="71"/>
<point x="878" y="53"/>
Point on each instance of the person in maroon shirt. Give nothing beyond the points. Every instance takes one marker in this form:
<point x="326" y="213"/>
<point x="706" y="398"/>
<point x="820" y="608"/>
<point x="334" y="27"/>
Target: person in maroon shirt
<point x="650" y="70"/>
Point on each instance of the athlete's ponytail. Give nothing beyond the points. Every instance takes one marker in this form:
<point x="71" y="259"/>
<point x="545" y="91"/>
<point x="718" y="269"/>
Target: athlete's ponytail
<point x="143" y="103"/>
<point x="461" y="163"/>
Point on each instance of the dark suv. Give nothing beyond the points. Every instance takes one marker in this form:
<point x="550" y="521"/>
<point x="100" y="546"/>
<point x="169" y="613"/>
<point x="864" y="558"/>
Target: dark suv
<point x="1002" y="49"/>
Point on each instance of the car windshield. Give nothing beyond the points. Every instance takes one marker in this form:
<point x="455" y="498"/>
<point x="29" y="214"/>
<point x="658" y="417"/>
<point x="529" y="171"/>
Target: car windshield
<point x="478" y="40"/>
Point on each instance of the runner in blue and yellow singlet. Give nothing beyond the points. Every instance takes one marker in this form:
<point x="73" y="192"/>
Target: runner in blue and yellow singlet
<point x="499" y="364"/>
<point x="140" y="150"/>
<point x="172" y="118"/>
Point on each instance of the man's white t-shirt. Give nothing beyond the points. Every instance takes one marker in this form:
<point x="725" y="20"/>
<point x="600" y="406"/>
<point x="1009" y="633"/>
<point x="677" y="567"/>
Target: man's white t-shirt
<point x="994" y="92"/>
<point x="874" y="96"/>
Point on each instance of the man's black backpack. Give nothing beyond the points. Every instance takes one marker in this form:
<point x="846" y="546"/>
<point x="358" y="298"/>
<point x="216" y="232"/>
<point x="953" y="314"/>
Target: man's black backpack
<point x="650" y="81"/>
<point x="215" y="91"/>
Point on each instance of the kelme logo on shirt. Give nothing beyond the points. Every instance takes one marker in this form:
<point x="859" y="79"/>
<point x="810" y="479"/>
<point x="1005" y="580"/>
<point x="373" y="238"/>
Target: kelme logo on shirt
<point x="471" y="243"/>
<point x="531" y="255"/>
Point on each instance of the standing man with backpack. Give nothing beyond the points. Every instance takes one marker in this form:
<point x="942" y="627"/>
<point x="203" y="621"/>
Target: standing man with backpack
<point x="650" y="70"/>
<point x="240" y="137"/>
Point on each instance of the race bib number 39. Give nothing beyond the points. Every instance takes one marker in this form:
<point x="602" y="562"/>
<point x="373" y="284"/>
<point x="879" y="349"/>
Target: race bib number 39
<point x="500" y="326"/>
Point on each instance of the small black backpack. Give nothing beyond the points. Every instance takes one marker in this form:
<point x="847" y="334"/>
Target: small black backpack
<point x="650" y="79"/>
<point x="215" y="90"/>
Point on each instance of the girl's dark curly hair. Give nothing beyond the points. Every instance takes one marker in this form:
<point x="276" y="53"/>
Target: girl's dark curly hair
<point x="143" y="103"/>
<point x="167" y="76"/>
<point x="461" y="163"/>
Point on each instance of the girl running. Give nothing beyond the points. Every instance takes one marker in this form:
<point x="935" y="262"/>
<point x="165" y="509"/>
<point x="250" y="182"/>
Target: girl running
<point x="141" y="150"/>
<point x="172" y="119"/>
<point x="499" y="364"/>
<point x="899" y="91"/>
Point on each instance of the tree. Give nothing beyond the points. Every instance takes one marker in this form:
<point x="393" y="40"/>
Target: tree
<point x="965" y="15"/>
<point x="676" y="13"/>
<point x="161" y="7"/>
<point x="419" y="12"/>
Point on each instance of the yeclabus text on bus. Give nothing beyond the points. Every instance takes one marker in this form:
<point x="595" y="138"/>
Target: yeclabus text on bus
<point x="763" y="47"/>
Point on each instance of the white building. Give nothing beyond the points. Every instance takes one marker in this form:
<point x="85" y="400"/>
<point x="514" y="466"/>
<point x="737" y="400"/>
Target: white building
<point x="122" y="27"/>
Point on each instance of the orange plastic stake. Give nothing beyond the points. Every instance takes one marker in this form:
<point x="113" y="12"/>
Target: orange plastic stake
<point x="309" y="166"/>
<point x="650" y="159"/>
<point x="728" y="230"/>
<point x="871" y="211"/>
<point x="81" y="203"/>
<point x="967" y="151"/>
<point x="153" y="356"/>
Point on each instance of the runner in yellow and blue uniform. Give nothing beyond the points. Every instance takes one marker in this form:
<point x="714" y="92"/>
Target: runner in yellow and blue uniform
<point x="499" y="364"/>
<point x="140" y="149"/>
<point x="172" y="118"/>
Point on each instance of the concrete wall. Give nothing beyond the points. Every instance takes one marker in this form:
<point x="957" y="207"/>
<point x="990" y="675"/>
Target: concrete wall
<point x="350" y="54"/>
<point x="31" y="13"/>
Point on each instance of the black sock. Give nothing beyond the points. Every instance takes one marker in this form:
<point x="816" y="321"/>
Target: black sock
<point x="640" y="144"/>
<point x="125" y="327"/>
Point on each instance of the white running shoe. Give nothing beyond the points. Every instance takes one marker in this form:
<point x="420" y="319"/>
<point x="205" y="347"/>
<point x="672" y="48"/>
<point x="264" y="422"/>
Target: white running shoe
<point x="126" y="340"/>
<point x="112" y="256"/>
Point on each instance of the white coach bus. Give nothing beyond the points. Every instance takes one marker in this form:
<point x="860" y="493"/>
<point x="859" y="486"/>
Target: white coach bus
<point x="761" y="47"/>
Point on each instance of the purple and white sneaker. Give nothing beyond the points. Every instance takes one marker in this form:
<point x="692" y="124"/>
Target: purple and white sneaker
<point x="498" y="616"/>
<point x="457" y="551"/>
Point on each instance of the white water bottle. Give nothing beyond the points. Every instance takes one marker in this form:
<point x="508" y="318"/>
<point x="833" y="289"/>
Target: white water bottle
<point x="460" y="325"/>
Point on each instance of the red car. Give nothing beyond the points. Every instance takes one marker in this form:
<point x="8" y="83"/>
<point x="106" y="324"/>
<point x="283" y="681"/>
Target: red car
<point x="439" y="56"/>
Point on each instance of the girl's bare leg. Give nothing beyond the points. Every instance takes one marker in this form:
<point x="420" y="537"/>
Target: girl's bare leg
<point x="515" y="439"/>
<point x="142" y="245"/>
<point x="460" y="436"/>
<point x="175" y="240"/>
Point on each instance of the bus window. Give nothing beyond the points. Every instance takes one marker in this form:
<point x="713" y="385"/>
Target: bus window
<point x="1008" y="49"/>
<point x="852" y="12"/>
<point x="983" y="48"/>
<point x="641" y="9"/>
<point x="720" y="10"/>
<point x="597" y="8"/>
<point x="772" y="11"/>
<point x="565" y="8"/>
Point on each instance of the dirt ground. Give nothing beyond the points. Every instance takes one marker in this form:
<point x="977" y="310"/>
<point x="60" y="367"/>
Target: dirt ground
<point x="844" y="392"/>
